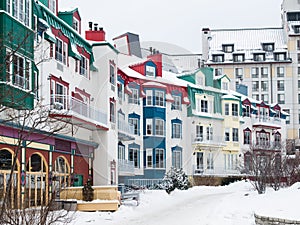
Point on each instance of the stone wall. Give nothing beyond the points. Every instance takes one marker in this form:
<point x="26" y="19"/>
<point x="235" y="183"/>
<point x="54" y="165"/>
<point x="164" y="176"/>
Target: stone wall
<point x="263" y="220"/>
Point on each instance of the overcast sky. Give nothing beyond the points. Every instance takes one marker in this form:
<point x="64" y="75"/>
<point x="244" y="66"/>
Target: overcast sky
<point x="175" y="22"/>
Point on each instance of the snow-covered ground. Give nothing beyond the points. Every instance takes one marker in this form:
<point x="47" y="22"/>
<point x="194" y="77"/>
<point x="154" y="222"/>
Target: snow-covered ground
<point x="232" y="204"/>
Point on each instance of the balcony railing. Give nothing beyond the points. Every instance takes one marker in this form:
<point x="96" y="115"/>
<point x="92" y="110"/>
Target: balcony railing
<point x="200" y="170"/>
<point x="125" y="166"/>
<point x="266" y="146"/>
<point x="266" y="120"/>
<point x="202" y="139"/>
<point x="64" y="102"/>
<point x="125" y="127"/>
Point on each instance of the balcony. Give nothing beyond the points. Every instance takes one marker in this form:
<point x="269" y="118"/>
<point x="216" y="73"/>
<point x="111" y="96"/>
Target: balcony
<point x="267" y="146"/>
<point x="125" y="131"/>
<point x="217" y="171"/>
<point x="202" y="141"/>
<point x="80" y="113"/>
<point x="125" y="167"/>
<point x="266" y="122"/>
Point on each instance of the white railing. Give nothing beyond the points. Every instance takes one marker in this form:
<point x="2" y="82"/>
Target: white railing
<point x="125" y="166"/>
<point x="125" y="127"/>
<point x="63" y="102"/>
<point x="267" y="145"/>
<point x="266" y="119"/>
<point x="202" y="139"/>
<point x="143" y="182"/>
<point x="200" y="170"/>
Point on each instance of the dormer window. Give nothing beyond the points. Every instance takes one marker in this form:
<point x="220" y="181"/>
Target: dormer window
<point x="268" y="47"/>
<point x="259" y="57"/>
<point x="225" y="85"/>
<point x="76" y="24"/>
<point x="52" y="6"/>
<point x="150" y="71"/>
<point x="218" y="58"/>
<point x="228" y="48"/>
<point x="280" y="56"/>
<point x="199" y="80"/>
<point x="296" y="29"/>
<point x="238" y="57"/>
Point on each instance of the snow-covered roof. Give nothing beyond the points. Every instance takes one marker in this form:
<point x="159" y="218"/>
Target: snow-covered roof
<point x="247" y="41"/>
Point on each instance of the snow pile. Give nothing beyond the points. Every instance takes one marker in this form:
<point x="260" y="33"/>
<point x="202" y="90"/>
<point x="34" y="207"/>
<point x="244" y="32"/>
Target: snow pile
<point x="226" y="205"/>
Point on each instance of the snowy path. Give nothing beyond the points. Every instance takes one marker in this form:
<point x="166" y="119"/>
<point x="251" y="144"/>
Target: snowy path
<point x="198" y="206"/>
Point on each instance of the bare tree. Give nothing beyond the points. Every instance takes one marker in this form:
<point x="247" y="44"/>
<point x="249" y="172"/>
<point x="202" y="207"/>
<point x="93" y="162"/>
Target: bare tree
<point x="27" y="121"/>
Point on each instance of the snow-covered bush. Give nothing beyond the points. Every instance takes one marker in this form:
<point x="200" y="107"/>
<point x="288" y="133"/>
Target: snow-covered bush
<point x="175" y="178"/>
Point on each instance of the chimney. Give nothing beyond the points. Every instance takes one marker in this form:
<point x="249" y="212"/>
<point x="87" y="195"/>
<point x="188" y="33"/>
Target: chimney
<point x="206" y="37"/>
<point x="96" y="34"/>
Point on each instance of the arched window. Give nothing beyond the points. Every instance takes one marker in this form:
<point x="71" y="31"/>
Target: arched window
<point x="61" y="173"/>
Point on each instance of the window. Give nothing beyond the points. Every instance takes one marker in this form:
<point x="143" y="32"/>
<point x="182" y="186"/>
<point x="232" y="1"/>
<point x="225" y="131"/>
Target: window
<point x="21" y="10"/>
<point x="263" y="139"/>
<point x="259" y="57"/>
<point x="298" y="44"/>
<point x="254" y="72"/>
<point x="298" y="98"/>
<point x="159" y="127"/>
<point x="235" y="109"/>
<point x="264" y="85"/>
<point x="280" y="98"/>
<point x="76" y="25"/>
<point x="120" y="92"/>
<point x="265" y="98"/>
<point x="255" y="85"/>
<point x="227" y="134"/>
<point x="209" y="133"/>
<point x="18" y="70"/>
<point x="235" y="134"/>
<point x="159" y="158"/>
<point x="159" y="98"/>
<point x="199" y="80"/>
<point x="230" y="161"/>
<point x="238" y="57"/>
<point x="149" y="98"/>
<point x="264" y="72"/>
<point x="239" y="73"/>
<point x="199" y="133"/>
<point x="247" y="137"/>
<point x="268" y="47"/>
<point x="287" y="120"/>
<point x="280" y="71"/>
<point x="228" y="48"/>
<point x="255" y="96"/>
<point x="84" y="66"/>
<point x="218" y="58"/>
<point x="133" y="155"/>
<point x="133" y="98"/>
<point x="149" y="130"/>
<point x="247" y="110"/>
<point x="112" y="74"/>
<point x="121" y="152"/>
<point x="150" y="71"/>
<point x="134" y="122"/>
<point x="224" y="85"/>
<point x="52" y="6"/>
<point x="176" y="105"/>
<point x="58" y="93"/>
<point x="280" y="85"/>
<point x="298" y="70"/>
<point x="112" y="117"/>
<point x="199" y="161"/>
<point x="218" y="71"/>
<point x="149" y="158"/>
<point x="176" y="130"/>
<point x="226" y="109"/>
<point x="204" y="106"/>
<point x="210" y="161"/>
<point x="61" y="51"/>
<point x="176" y="159"/>
<point x="298" y="57"/>
<point x="280" y="56"/>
